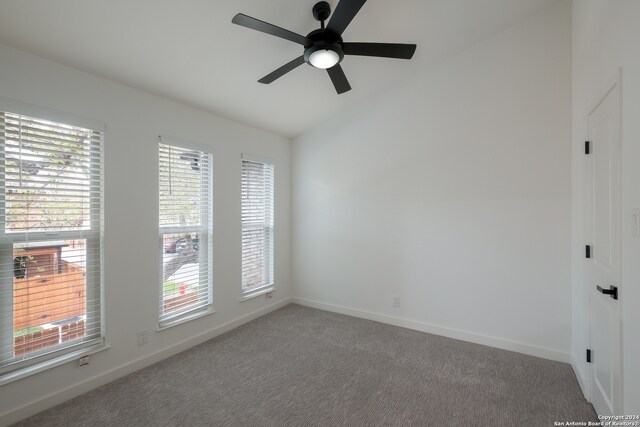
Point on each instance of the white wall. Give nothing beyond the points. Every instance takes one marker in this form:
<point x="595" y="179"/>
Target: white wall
<point x="606" y="35"/>
<point x="134" y="119"/>
<point x="452" y="192"/>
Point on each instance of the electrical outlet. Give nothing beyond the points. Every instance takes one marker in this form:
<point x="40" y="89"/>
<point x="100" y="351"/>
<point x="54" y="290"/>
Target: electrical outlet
<point x="395" y="301"/>
<point x="83" y="361"/>
<point x="143" y="337"/>
<point x="269" y="296"/>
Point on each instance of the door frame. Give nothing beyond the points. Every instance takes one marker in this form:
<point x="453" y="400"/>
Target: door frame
<point x="614" y="84"/>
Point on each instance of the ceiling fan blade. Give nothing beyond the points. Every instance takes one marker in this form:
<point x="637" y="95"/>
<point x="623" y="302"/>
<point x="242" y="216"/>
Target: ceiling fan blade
<point x="265" y="27"/>
<point x="384" y="50"/>
<point x="269" y="78"/>
<point x="338" y="78"/>
<point x="344" y="13"/>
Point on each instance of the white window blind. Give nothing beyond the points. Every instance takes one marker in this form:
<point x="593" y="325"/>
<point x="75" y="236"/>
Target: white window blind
<point x="185" y="231"/>
<point x="51" y="227"/>
<point x="257" y="226"/>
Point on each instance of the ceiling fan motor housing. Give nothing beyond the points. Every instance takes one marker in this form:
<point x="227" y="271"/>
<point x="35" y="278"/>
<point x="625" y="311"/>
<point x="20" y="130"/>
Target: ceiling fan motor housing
<point x="323" y="40"/>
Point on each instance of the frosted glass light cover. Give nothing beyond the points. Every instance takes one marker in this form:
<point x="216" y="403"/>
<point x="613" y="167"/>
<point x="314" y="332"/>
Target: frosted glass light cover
<point x="324" y="59"/>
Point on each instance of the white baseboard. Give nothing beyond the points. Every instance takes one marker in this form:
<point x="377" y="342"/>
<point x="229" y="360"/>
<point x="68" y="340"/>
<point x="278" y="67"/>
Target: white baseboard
<point x="503" y="344"/>
<point x="582" y="381"/>
<point x="65" y="394"/>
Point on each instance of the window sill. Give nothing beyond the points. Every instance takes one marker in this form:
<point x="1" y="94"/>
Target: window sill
<point x="52" y="363"/>
<point x="185" y="319"/>
<point x="257" y="292"/>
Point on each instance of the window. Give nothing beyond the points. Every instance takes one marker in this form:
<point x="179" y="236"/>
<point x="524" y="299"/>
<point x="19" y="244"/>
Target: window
<point x="51" y="227"/>
<point x="257" y="227"/>
<point x="185" y="232"/>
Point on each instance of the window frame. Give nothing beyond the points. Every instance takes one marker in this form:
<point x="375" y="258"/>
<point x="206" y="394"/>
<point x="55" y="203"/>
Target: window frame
<point x="205" y="235"/>
<point x="94" y="236"/>
<point x="269" y="286"/>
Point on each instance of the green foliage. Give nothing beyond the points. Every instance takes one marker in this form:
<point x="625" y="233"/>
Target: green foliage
<point x="27" y="331"/>
<point x="47" y="167"/>
<point x="170" y="287"/>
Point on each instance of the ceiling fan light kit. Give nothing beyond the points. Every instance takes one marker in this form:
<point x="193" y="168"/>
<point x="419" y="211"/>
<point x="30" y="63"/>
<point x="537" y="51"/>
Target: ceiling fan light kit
<point x="324" y="47"/>
<point x="322" y="52"/>
<point x="322" y="58"/>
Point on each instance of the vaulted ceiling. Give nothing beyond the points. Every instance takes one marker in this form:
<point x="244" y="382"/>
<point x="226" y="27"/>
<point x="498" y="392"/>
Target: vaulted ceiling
<point x="190" y="51"/>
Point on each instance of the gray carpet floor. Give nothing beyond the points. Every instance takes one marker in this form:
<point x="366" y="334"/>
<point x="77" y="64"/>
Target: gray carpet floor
<point x="299" y="366"/>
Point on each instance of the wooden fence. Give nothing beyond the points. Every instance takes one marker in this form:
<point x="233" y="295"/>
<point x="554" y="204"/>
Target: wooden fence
<point x="44" y="299"/>
<point x="49" y="337"/>
<point x="180" y="301"/>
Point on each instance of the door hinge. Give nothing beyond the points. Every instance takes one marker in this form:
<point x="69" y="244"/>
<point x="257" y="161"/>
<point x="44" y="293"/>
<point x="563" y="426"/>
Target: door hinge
<point x="587" y="147"/>
<point x="587" y="251"/>
<point x="612" y="291"/>
<point x="588" y="356"/>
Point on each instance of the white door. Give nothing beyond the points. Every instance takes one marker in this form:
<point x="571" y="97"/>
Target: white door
<point x="603" y="267"/>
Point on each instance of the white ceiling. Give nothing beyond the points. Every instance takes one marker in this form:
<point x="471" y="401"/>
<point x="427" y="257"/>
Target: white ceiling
<point x="190" y="51"/>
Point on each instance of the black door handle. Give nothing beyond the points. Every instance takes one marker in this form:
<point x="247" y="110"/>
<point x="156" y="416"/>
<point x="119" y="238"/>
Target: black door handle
<point x="612" y="291"/>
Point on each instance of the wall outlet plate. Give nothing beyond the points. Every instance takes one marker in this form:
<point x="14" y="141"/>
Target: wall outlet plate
<point x="143" y="337"/>
<point x="395" y="301"/>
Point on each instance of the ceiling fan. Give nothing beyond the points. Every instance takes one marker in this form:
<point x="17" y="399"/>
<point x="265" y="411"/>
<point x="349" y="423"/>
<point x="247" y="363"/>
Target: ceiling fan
<point x="324" y="48"/>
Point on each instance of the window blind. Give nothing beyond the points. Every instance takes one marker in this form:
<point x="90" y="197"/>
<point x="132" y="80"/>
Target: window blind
<point x="51" y="227"/>
<point x="257" y="226"/>
<point x="185" y="183"/>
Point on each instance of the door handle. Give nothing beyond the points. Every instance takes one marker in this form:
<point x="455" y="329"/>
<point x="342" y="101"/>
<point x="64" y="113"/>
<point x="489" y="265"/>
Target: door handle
<point x="612" y="291"/>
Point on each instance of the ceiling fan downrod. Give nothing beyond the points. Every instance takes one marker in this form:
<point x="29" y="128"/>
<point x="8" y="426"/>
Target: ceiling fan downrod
<point x="321" y="12"/>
